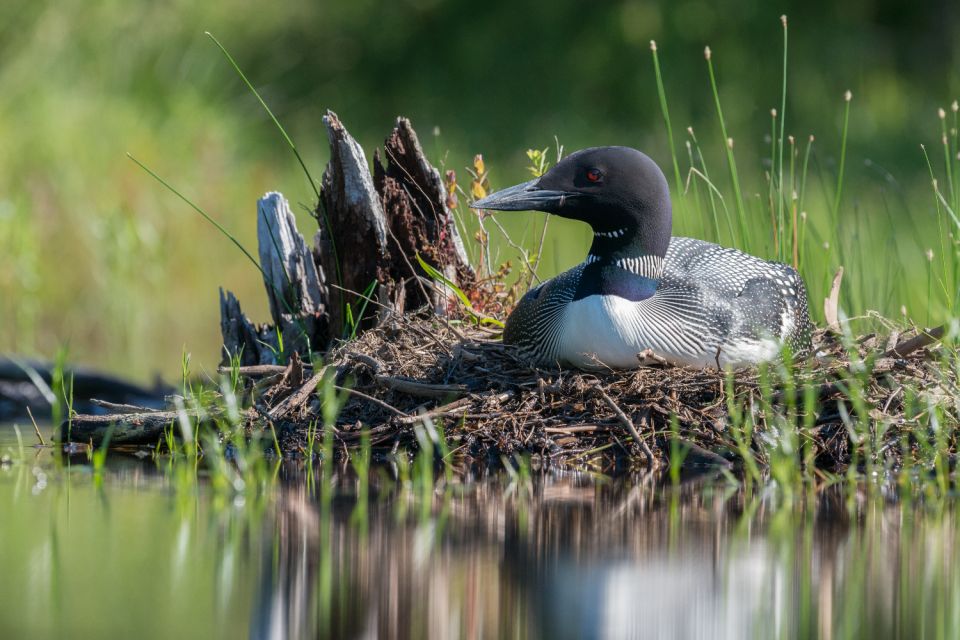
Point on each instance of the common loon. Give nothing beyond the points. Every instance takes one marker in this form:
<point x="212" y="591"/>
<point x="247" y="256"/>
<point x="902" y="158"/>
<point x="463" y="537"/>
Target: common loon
<point x="641" y="295"/>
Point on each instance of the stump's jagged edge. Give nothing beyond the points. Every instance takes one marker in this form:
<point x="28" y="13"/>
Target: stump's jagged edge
<point x="351" y="245"/>
<point x="372" y="229"/>
<point x="254" y="345"/>
<point x="294" y="284"/>
<point x="414" y="201"/>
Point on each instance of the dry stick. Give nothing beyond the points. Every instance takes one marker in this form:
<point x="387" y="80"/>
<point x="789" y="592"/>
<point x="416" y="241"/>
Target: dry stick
<point x="376" y="401"/>
<point x="583" y="428"/>
<point x="36" y="428"/>
<point x="363" y="358"/>
<point x="919" y="341"/>
<point x="421" y="389"/>
<point x="298" y="397"/>
<point x="462" y="403"/>
<point x="625" y="420"/>
<point x="453" y="406"/>
<point x="259" y="370"/>
<point x="121" y="408"/>
<point x="522" y="252"/>
<point x="536" y="264"/>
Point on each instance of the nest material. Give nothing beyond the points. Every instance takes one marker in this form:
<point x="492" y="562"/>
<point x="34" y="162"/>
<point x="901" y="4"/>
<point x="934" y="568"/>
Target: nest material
<point x="419" y="370"/>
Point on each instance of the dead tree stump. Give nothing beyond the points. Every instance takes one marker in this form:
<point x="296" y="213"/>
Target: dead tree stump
<point x="420" y="224"/>
<point x="372" y="229"/>
<point x="351" y="244"/>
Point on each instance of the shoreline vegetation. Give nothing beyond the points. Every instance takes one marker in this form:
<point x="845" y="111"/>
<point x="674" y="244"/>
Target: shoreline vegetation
<point x="385" y="330"/>
<point x="414" y="362"/>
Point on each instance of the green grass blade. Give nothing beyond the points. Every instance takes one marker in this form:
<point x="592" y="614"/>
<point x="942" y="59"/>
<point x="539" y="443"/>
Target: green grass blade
<point x="847" y="97"/>
<point x="728" y="146"/>
<point x="263" y="103"/>
<point x="203" y="213"/>
<point x="661" y="92"/>
<point x="783" y="120"/>
<point x="464" y="300"/>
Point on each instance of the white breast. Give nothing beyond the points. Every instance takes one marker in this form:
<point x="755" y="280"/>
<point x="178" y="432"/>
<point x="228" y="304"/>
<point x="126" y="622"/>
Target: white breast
<point x="596" y="332"/>
<point x="609" y="331"/>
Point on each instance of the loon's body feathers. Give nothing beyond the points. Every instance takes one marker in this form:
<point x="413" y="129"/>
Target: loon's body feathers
<point x="712" y="306"/>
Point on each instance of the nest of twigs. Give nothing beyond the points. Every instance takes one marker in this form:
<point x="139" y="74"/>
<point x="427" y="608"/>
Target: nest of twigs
<point x="418" y="376"/>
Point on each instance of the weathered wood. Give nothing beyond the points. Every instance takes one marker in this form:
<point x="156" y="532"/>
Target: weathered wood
<point x="422" y="389"/>
<point x="126" y="428"/>
<point x="255" y="345"/>
<point x="297" y="299"/>
<point x="352" y="245"/>
<point x="414" y="202"/>
<point x="921" y="340"/>
<point x="371" y="232"/>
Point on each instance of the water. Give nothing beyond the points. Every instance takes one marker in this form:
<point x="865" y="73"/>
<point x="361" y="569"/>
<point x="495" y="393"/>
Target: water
<point x="145" y="549"/>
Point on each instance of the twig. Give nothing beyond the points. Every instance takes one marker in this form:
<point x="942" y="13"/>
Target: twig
<point x="536" y="263"/>
<point x="453" y="406"/>
<point x="521" y="251"/>
<point x="376" y="401"/>
<point x="625" y="420"/>
<point x="298" y="397"/>
<point x="582" y="428"/>
<point x="370" y="361"/>
<point x="36" y="428"/>
<point x="259" y="370"/>
<point x="919" y="341"/>
<point x="421" y="389"/>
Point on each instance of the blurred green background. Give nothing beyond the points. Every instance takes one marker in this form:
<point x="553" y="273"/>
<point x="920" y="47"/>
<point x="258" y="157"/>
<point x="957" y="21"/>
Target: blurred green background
<point x="98" y="256"/>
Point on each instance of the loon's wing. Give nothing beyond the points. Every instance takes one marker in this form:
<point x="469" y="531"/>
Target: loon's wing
<point x="764" y="297"/>
<point x="535" y="326"/>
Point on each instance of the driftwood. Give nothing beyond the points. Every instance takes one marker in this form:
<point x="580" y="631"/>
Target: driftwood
<point x="372" y="228"/>
<point x="125" y="428"/>
<point x="293" y="283"/>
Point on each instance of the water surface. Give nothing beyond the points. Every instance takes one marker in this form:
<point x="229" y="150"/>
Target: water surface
<point x="153" y="549"/>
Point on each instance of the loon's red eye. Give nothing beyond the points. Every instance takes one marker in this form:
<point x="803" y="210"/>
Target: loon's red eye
<point x="594" y="175"/>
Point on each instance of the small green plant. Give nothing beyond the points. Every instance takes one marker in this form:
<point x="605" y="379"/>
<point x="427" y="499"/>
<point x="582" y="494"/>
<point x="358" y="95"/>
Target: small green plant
<point x="98" y="456"/>
<point x="351" y="324"/>
<point x="438" y="277"/>
<point x="678" y="451"/>
<point x="741" y="430"/>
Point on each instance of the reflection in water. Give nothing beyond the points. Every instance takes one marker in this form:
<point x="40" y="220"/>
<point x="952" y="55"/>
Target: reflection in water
<point x="149" y="552"/>
<point x="580" y="557"/>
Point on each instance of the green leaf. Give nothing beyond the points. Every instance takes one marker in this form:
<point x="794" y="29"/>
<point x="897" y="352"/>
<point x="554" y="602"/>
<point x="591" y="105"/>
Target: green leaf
<point x="439" y="277"/>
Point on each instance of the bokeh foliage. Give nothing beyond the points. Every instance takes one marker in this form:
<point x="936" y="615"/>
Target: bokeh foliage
<point x="96" y="254"/>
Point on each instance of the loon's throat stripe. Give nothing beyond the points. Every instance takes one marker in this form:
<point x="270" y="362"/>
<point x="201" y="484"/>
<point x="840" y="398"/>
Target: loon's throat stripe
<point x="645" y="266"/>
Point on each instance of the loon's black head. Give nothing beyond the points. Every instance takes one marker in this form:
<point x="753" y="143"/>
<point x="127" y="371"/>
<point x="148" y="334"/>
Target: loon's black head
<point x="618" y="191"/>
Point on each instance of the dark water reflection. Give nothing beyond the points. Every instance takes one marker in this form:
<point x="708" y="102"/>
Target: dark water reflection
<point x="572" y="556"/>
<point x="146" y="550"/>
